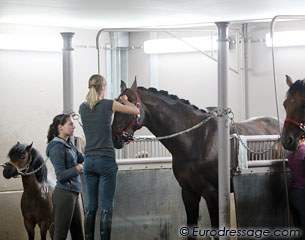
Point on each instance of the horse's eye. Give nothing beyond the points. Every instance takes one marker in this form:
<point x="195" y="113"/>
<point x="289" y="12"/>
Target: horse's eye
<point x="22" y="156"/>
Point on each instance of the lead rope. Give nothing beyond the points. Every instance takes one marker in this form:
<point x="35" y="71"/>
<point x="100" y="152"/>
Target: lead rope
<point x="213" y="114"/>
<point x="245" y="145"/>
<point x="230" y="116"/>
<point x="181" y="132"/>
<point x="76" y="117"/>
<point x="36" y="170"/>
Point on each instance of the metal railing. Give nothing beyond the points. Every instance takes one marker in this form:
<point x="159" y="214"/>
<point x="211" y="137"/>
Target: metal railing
<point x="150" y="147"/>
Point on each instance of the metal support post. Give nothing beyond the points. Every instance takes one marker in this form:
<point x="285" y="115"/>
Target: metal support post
<point x="223" y="128"/>
<point x="67" y="72"/>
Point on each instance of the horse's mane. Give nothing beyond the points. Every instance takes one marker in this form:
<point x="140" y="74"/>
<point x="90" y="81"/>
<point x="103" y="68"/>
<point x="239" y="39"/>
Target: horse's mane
<point x="36" y="160"/>
<point x="297" y="87"/>
<point x="173" y="97"/>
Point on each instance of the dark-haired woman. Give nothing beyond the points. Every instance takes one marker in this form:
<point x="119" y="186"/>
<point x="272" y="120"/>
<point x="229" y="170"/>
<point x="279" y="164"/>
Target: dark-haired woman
<point x="100" y="167"/>
<point x="67" y="162"/>
<point x="296" y="163"/>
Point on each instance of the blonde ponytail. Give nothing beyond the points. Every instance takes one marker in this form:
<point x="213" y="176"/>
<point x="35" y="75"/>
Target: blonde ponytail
<point x="96" y="84"/>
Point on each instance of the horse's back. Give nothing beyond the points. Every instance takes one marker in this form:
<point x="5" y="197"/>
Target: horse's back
<point x="258" y="126"/>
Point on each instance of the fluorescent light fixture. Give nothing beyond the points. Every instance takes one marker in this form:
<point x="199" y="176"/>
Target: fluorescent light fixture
<point x="287" y="38"/>
<point x="30" y="43"/>
<point x="173" y="45"/>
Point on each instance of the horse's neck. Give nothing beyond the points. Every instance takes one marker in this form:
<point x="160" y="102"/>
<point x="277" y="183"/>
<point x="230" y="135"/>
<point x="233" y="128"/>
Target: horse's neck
<point x="30" y="183"/>
<point x="164" y="118"/>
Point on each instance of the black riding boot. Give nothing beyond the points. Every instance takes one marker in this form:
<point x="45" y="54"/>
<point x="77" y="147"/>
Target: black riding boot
<point x="105" y="224"/>
<point x="90" y="225"/>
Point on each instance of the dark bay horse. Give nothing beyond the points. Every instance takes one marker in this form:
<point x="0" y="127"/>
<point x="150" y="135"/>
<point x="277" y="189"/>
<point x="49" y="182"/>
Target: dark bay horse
<point x="194" y="153"/>
<point x="294" y="104"/>
<point x="36" y="200"/>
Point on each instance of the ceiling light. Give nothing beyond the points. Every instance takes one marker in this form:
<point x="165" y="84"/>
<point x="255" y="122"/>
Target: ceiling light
<point x="287" y="38"/>
<point x="30" y="43"/>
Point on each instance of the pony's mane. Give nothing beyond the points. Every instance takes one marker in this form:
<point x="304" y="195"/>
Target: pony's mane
<point x="297" y="87"/>
<point x="37" y="160"/>
<point x="173" y="97"/>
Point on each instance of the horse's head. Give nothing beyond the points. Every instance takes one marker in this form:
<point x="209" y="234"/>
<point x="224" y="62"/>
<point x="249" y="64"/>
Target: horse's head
<point x="124" y="125"/>
<point x="294" y="104"/>
<point x="19" y="156"/>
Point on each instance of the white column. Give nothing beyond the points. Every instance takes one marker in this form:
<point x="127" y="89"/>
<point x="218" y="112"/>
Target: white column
<point x="115" y="68"/>
<point x="67" y="72"/>
<point x="223" y="128"/>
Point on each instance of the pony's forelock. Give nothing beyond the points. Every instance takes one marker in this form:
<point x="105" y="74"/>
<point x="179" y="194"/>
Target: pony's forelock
<point x="16" y="150"/>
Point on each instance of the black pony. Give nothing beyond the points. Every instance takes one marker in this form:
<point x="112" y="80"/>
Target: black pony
<point x="36" y="200"/>
<point x="194" y="153"/>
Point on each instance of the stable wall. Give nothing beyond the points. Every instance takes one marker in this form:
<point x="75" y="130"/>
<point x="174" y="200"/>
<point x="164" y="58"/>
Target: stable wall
<point x="288" y="60"/>
<point x="32" y="86"/>
<point x="189" y="75"/>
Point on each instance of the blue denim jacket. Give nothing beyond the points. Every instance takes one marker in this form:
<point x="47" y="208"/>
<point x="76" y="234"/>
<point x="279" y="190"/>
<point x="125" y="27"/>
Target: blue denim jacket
<point x="64" y="157"/>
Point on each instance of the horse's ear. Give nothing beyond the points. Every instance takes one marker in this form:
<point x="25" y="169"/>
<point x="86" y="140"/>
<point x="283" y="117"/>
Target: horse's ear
<point x="29" y="147"/>
<point x="123" y="86"/>
<point x="134" y="84"/>
<point x="289" y="81"/>
<point x="18" y="143"/>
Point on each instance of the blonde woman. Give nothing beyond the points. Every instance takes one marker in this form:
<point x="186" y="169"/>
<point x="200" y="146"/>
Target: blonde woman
<point x="100" y="167"/>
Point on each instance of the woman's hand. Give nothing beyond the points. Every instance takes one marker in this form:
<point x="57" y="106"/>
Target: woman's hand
<point x="79" y="167"/>
<point x="124" y="106"/>
<point x="124" y="98"/>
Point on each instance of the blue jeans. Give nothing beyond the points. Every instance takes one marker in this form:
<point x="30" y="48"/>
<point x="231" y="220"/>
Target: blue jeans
<point x="100" y="175"/>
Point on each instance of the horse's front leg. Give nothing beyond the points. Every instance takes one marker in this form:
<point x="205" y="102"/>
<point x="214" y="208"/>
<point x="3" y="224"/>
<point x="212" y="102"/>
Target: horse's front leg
<point x="30" y="228"/>
<point x="212" y="203"/>
<point x="211" y="199"/>
<point x="52" y="230"/>
<point x="191" y="203"/>
<point x="44" y="226"/>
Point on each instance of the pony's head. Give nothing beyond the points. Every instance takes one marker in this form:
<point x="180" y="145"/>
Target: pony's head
<point x="294" y="104"/>
<point x="20" y="160"/>
<point x="124" y="125"/>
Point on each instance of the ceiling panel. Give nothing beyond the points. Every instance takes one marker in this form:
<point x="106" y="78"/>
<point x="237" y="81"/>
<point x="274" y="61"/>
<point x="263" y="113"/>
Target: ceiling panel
<point x="141" y="13"/>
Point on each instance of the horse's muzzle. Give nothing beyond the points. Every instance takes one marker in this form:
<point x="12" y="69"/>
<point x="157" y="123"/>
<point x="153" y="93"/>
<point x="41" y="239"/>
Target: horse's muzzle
<point x="9" y="172"/>
<point x="118" y="141"/>
<point x="289" y="142"/>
